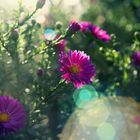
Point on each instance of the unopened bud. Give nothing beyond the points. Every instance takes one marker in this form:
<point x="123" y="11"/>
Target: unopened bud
<point x="40" y="72"/>
<point x="22" y="18"/>
<point x="40" y="4"/>
<point x="73" y="28"/>
<point x="58" y="25"/>
<point x="15" y="34"/>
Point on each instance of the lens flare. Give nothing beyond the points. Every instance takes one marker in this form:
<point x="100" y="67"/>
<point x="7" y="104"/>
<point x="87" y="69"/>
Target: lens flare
<point x="97" y="112"/>
<point x="49" y="34"/>
<point x="106" y="131"/>
<point x="108" y="118"/>
<point x="83" y="95"/>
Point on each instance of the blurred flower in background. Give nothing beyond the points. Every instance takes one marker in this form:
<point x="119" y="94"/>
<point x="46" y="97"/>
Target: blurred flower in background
<point x="100" y="34"/>
<point x="136" y="58"/>
<point x="12" y="115"/>
<point x="85" y="26"/>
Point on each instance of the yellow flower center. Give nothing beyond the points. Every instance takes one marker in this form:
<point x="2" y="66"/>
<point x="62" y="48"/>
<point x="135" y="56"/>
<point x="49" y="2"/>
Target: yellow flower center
<point x="4" y="117"/>
<point x="74" y="69"/>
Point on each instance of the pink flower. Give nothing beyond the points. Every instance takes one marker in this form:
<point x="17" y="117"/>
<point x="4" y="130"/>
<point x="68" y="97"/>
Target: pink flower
<point x="136" y="58"/>
<point x="100" y="34"/>
<point x="85" y="26"/>
<point x="77" y="68"/>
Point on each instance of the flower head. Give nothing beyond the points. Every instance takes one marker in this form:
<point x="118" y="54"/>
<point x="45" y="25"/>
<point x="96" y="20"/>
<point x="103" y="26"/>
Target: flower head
<point x="100" y="34"/>
<point x="136" y="58"/>
<point x="85" y="26"/>
<point x="77" y="68"/>
<point x="73" y="27"/>
<point x="12" y="115"/>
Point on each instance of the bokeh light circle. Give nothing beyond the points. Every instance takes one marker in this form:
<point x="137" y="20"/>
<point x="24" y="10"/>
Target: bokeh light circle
<point x="50" y="34"/>
<point x="107" y="118"/>
<point x="106" y="131"/>
<point x="83" y="95"/>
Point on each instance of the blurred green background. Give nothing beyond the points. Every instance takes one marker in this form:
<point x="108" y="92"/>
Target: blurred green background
<point x="116" y="75"/>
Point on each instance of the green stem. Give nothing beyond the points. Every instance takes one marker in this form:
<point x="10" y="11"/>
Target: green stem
<point x="57" y="40"/>
<point x="19" y="25"/>
<point x="3" y="44"/>
<point x="27" y="18"/>
<point x="51" y="93"/>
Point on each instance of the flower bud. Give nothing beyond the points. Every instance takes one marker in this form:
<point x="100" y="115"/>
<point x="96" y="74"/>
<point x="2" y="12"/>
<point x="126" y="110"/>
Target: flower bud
<point x="40" y="72"/>
<point x="40" y="4"/>
<point x="22" y="18"/>
<point x="15" y="34"/>
<point x="58" y="25"/>
<point x="73" y="28"/>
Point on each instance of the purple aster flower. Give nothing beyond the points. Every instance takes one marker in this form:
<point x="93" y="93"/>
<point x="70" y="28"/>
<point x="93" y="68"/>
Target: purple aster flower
<point x="73" y="27"/>
<point x="77" y="68"/>
<point x="40" y="72"/>
<point x="136" y="58"/>
<point x="85" y="26"/>
<point x="100" y="34"/>
<point x="12" y="115"/>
